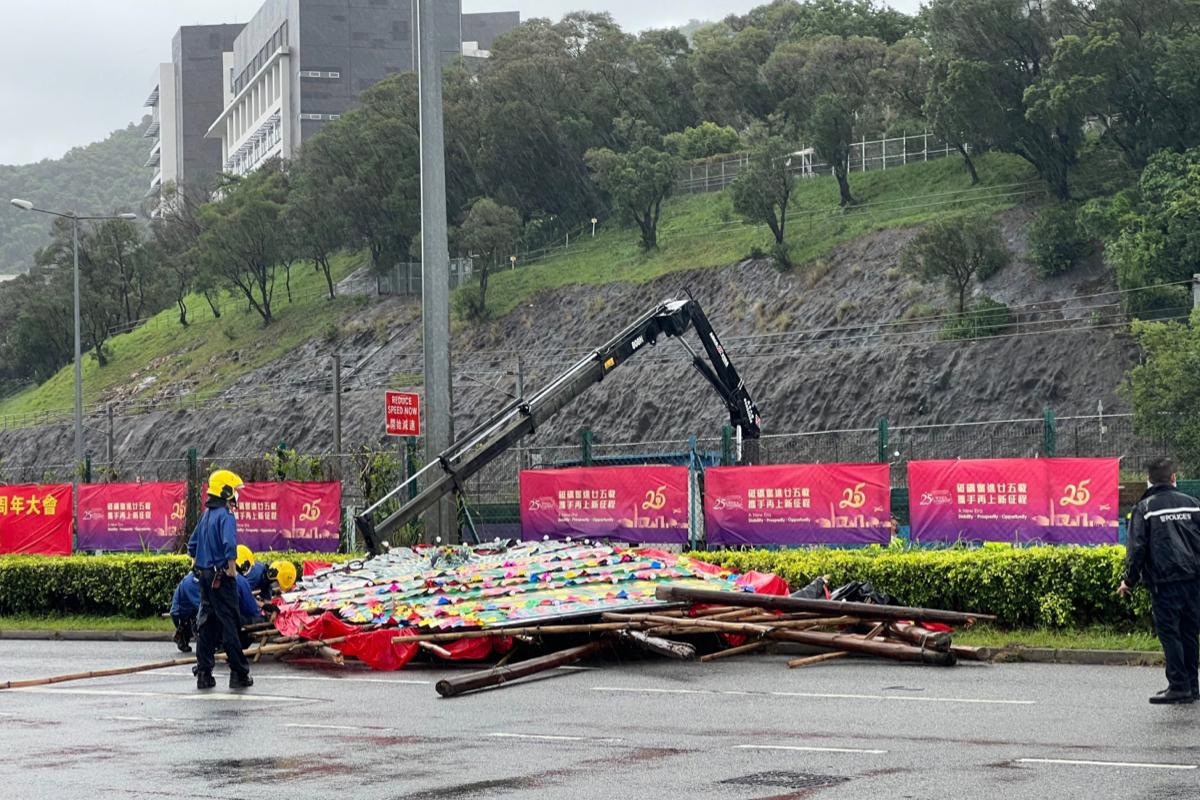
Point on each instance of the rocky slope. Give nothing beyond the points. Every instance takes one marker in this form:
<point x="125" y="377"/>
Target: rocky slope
<point x="824" y="347"/>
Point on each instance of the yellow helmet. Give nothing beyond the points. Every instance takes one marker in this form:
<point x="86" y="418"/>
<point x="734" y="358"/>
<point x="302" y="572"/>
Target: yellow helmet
<point x="245" y="558"/>
<point x="285" y="573"/>
<point x="224" y="484"/>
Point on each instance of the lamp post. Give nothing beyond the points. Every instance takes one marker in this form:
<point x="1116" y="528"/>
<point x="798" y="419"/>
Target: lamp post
<point x="594" y="221"/>
<point x="513" y="261"/>
<point x="75" y="218"/>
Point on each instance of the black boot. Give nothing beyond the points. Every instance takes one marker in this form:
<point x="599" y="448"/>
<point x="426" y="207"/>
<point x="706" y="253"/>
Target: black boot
<point x="1173" y="696"/>
<point x="240" y="680"/>
<point x="204" y="678"/>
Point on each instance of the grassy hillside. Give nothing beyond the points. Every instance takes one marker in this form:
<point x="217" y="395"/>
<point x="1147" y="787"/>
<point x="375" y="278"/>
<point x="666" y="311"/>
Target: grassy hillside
<point x="201" y="355"/>
<point x="100" y="178"/>
<point x="695" y="231"/>
<point x="702" y="230"/>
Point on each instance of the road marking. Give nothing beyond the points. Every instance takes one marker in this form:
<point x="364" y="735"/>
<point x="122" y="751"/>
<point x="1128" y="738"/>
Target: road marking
<point x="1104" y="763"/>
<point x="333" y="727"/>
<point x="260" y="677"/>
<point x="208" y="695"/>
<point x="806" y="749"/>
<point x="147" y="719"/>
<point x="545" y="737"/>
<point x="819" y="695"/>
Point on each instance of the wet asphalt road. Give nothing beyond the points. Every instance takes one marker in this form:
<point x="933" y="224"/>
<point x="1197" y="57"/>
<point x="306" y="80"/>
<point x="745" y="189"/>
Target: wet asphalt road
<point x="747" y="728"/>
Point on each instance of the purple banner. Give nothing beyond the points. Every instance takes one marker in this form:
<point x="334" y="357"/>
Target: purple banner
<point x="797" y="504"/>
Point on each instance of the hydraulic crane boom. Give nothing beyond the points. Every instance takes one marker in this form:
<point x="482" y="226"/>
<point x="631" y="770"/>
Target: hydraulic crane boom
<point x="523" y="416"/>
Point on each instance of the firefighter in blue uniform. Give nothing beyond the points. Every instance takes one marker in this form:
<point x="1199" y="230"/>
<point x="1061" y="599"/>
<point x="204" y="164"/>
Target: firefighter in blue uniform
<point x="213" y="548"/>
<point x="185" y="603"/>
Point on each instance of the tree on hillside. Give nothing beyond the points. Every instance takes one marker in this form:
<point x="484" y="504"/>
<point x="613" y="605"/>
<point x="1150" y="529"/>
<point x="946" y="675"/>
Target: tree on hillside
<point x="637" y="182"/>
<point x="1152" y="233"/>
<point x="488" y="234"/>
<point x="176" y="232"/>
<point x="1009" y="44"/>
<point x="825" y="91"/>
<point x="703" y="141"/>
<point x="763" y="188"/>
<point x="1165" y="387"/>
<point x="1130" y="65"/>
<point x="315" y="233"/>
<point x="120" y="254"/>
<point x="367" y="165"/>
<point x="243" y="238"/>
<point x="956" y="250"/>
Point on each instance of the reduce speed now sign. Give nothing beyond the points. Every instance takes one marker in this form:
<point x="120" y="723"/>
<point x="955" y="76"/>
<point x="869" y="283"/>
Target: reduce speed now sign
<point x="403" y="414"/>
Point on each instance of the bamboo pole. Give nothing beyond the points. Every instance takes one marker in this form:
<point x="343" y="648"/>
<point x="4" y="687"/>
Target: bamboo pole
<point x="921" y="637"/>
<point x="862" y="610"/>
<point x="677" y="650"/>
<point x="532" y="630"/>
<point x="436" y="649"/>
<point x="175" y="662"/>
<point x="749" y="647"/>
<point x="450" y="687"/>
<point x="807" y="660"/>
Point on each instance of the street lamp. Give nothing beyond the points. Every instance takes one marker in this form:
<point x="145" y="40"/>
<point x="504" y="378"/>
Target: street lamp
<point x="75" y="218"/>
<point x="594" y="221"/>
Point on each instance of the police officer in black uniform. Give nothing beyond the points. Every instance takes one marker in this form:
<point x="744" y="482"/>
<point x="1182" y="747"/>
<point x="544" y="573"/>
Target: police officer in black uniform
<point x="1163" y="551"/>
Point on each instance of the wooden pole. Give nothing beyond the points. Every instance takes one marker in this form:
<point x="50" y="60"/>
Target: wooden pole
<point x="807" y="660"/>
<point x="749" y="647"/>
<point x="451" y="687"/>
<point x="861" y="610"/>
<point x="532" y="630"/>
<point x="175" y="662"/>
<point x="921" y="637"/>
<point x="662" y="647"/>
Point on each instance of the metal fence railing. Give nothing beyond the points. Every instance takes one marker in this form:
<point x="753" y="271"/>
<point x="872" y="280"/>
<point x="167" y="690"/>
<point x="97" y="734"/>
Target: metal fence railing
<point x="715" y="174"/>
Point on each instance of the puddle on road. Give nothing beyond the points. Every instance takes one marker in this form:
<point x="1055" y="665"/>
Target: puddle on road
<point x="226" y="772"/>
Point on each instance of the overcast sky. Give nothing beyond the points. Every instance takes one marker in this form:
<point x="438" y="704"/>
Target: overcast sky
<point x="74" y="70"/>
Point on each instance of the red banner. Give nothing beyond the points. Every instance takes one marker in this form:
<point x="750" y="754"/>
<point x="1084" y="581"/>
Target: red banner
<point x="629" y="504"/>
<point x="130" y="516"/>
<point x="35" y="519"/>
<point x="292" y="515"/>
<point x="1052" y="500"/>
<point x="797" y="504"/>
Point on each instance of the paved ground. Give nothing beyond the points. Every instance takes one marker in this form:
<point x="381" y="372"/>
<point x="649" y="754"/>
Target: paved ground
<point x="746" y="728"/>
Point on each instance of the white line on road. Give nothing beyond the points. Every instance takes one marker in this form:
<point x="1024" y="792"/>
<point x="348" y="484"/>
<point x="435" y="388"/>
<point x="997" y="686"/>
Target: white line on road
<point x="148" y="719"/>
<point x="1104" y="763"/>
<point x="807" y="749"/>
<point x="818" y="695"/>
<point x="333" y="727"/>
<point x="254" y="698"/>
<point x="260" y="677"/>
<point x="545" y="737"/>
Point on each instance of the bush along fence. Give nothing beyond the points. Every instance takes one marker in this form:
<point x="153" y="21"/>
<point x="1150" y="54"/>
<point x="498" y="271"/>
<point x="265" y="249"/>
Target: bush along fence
<point x="1042" y="586"/>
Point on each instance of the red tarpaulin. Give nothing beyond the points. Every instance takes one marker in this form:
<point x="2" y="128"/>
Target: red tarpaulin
<point x="130" y="516"/>
<point x="628" y="504"/>
<point x="35" y="519"/>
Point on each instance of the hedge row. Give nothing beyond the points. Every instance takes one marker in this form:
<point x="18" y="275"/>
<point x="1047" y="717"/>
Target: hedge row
<point x="1045" y="586"/>
<point x="133" y="585"/>
<point x="1042" y="586"/>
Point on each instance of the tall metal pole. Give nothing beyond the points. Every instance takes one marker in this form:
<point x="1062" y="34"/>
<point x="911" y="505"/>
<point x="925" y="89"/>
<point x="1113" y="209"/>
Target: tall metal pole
<point x="337" y="407"/>
<point x="78" y="350"/>
<point x="435" y="264"/>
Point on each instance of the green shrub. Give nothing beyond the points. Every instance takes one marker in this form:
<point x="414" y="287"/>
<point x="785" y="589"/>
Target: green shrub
<point x="985" y="318"/>
<point x="133" y="585"/>
<point x="1057" y="240"/>
<point x="1039" y="586"/>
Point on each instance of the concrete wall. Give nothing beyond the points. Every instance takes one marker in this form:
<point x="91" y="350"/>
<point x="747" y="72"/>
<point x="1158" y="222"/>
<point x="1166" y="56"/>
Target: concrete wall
<point x="485" y="28"/>
<point x="200" y="79"/>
